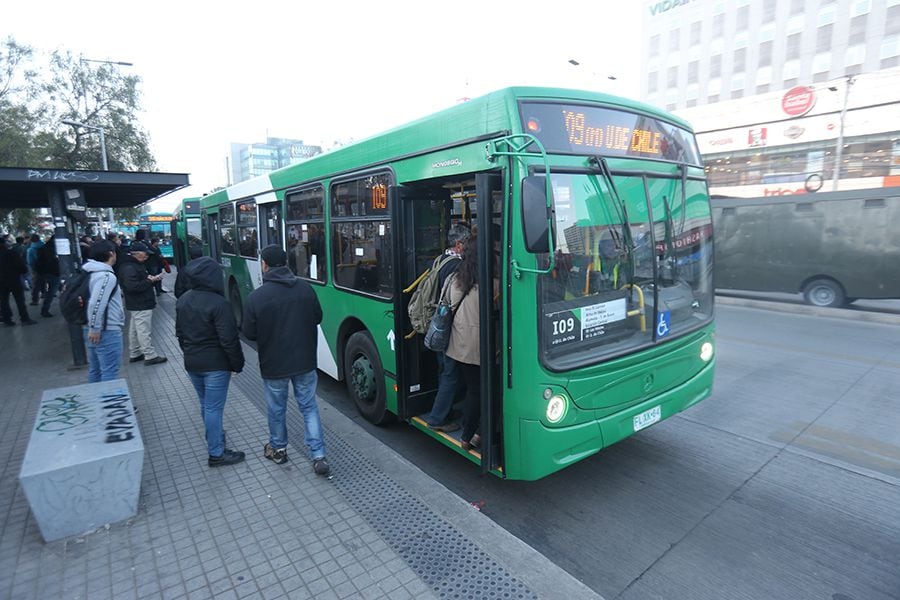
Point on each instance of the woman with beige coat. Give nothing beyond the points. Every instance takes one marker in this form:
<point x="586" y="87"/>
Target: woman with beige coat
<point x="465" y="345"/>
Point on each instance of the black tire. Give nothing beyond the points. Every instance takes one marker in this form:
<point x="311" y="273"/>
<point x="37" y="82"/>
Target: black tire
<point x="237" y="308"/>
<point x="824" y="292"/>
<point x="364" y="377"/>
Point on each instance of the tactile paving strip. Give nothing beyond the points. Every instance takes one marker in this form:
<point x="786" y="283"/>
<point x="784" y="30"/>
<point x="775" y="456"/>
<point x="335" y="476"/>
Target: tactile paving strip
<point x="433" y="548"/>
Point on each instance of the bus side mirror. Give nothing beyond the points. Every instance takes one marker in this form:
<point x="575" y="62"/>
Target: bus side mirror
<point x="537" y="215"/>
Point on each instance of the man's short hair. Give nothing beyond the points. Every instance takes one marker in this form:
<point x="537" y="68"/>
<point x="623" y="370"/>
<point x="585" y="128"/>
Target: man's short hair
<point x="101" y="250"/>
<point x="274" y="256"/>
<point x="458" y="233"/>
<point x="35" y="237"/>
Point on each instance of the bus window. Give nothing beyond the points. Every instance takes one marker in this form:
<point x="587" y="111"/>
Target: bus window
<point x="226" y="229"/>
<point x="361" y="252"/>
<point x="247" y="230"/>
<point x="306" y="233"/>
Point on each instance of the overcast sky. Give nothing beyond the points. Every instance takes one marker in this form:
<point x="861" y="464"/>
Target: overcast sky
<point x="324" y="70"/>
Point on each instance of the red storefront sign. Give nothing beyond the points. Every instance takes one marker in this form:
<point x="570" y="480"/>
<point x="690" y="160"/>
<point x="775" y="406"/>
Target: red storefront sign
<point x="798" y="101"/>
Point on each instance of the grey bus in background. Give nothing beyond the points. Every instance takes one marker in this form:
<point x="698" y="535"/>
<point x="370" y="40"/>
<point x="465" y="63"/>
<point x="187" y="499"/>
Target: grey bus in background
<point x="833" y="247"/>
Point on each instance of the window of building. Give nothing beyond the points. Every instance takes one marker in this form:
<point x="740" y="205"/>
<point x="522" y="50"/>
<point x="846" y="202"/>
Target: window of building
<point x="890" y="51"/>
<point x="361" y="244"/>
<point x="695" y="33"/>
<point x="767" y="32"/>
<point x="674" y="40"/>
<point x="763" y="75"/>
<point x="738" y="81"/>
<point x="821" y="62"/>
<point x="715" y="66"/>
<point x="790" y="72"/>
<point x="226" y="229"/>
<point x="692" y="91"/>
<point x="823" y="38"/>
<point x="248" y="234"/>
<point x="652" y="82"/>
<point x="857" y="30"/>
<point x="826" y="15"/>
<point x="855" y="55"/>
<point x="718" y="27"/>
<point x="741" y="39"/>
<point x="794" y="25"/>
<point x="797" y="6"/>
<point x="654" y="45"/>
<point x="693" y="68"/>
<point x="671" y="98"/>
<point x="768" y="10"/>
<point x="305" y="221"/>
<point x="714" y="87"/>
<point x="792" y="47"/>
<point x="743" y="18"/>
<point x="672" y="77"/>
<point x="763" y="89"/>
<point x="765" y="53"/>
<point x="740" y="61"/>
<point x="892" y="22"/>
<point x="860" y="7"/>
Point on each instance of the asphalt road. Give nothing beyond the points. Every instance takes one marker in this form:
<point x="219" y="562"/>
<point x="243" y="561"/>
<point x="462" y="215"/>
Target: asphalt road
<point x="785" y="484"/>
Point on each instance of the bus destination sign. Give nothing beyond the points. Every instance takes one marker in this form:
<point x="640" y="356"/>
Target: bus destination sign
<point x="581" y="323"/>
<point x="589" y="130"/>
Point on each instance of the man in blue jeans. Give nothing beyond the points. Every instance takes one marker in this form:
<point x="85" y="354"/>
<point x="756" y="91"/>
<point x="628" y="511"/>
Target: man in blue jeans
<point x="105" y="315"/>
<point x="208" y="336"/>
<point x="283" y="316"/>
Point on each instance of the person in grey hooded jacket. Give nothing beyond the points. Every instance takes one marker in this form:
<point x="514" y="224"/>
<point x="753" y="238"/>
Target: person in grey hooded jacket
<point x="105" y="315"/>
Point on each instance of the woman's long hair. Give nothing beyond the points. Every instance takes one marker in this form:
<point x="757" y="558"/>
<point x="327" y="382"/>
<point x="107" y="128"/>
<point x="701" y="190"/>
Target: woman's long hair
<point x="467" y="274"/>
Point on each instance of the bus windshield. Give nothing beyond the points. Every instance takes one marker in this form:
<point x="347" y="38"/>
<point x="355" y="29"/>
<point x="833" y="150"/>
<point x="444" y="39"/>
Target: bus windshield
<point x="632" y="269"/>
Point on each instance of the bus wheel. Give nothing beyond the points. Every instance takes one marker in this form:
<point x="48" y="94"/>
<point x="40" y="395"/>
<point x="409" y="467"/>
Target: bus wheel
<point x="824" y="292"/>
<point x="365" y="378"/>
<point x="234" y="298"/>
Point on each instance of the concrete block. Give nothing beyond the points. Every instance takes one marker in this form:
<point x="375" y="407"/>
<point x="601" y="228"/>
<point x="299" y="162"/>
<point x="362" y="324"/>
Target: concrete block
<point x="83" y="464"/>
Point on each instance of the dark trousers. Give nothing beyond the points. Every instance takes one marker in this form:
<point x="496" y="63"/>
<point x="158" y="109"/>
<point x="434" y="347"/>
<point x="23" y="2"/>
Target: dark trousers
<point x="19" y="297"/>
<point x="472" y="406"/>
<point x="76" y="337"/>
<point x="52" y="282"/>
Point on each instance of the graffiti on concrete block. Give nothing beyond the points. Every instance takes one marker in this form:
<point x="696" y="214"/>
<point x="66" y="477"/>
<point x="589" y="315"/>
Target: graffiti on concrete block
<point x="63" y="413"/>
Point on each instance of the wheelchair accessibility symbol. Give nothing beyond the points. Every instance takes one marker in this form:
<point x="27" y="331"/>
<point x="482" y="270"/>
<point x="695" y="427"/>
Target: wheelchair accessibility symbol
<point x="662" y="325"/>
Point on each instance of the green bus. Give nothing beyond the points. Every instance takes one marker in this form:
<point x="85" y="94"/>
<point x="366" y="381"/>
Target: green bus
<point x="185" y="232"/>
<point x="579" y="358"/>
<point x="157" y="226"/>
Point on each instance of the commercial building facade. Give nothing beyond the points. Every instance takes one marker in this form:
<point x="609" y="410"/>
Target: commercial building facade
<point x="768" y="85"/>
<point x="250" y="160"/>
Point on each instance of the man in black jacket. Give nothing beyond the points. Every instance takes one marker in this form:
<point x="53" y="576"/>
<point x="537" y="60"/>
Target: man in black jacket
<point x="208" y="336"/>
<point x="140" y="299"/>
<point x="12" y="267"/>
<point x="283" y="317"/>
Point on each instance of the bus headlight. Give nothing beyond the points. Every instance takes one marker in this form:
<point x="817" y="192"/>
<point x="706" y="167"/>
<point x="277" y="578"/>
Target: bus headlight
<point x="557" y="408"/>
<point x="706" y="351"/>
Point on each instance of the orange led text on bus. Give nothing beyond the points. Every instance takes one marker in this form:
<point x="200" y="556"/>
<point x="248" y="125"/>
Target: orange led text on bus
<point x="612" y="136"/>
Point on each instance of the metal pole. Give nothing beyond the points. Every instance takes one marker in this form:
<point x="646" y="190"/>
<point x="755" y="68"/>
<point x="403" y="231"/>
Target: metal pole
<point x="840" y="141"/>
<point x="103" y="149"/>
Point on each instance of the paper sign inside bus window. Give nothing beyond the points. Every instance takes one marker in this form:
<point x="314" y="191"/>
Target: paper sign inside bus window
<point x="582" y="323"/>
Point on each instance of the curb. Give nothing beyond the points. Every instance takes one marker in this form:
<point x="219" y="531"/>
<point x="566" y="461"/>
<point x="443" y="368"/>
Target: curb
<point x="811" y="311"/>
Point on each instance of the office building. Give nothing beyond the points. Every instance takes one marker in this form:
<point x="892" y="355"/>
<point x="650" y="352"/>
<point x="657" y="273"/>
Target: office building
<point x="772" y="87"/>
<point x="251" y="160"/>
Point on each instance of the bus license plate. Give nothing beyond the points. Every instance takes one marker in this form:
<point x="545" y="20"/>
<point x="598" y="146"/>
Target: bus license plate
<point x="647" y="418"/>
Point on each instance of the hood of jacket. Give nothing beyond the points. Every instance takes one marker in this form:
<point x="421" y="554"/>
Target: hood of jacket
<point x="280" y="275"/>
<point x="95" y="266"/>
<point x="205" y="273"/>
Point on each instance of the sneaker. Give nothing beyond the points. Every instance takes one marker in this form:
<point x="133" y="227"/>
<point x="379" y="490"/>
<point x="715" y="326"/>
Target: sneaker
<point x="229" y="457"/>
<point x="138" y="358"/>
<point x="446" y="426"/>
<point x="320" y="466"/>
<point x="276" y="455"/>
<point x="156" y="360"/>
<point x="29" y="322"/>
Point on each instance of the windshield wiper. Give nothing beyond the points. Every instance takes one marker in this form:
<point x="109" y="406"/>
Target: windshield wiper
<point x="622" y="213"/>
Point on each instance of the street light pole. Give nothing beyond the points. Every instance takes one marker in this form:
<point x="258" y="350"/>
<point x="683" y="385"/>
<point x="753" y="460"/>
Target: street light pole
<point x="840" y="141"/>
<point x="575" y="63"/>
<point x="99" y="130"/>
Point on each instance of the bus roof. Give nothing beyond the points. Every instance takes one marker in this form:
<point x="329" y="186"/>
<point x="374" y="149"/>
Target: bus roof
<point x="493" y="114"/>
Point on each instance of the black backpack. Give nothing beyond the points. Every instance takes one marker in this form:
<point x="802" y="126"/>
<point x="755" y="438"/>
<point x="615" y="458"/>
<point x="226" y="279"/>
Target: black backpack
<point x="73" y="300"/>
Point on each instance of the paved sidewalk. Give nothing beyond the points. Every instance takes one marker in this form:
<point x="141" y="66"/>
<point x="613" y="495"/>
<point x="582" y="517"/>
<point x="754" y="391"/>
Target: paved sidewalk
<point x="379" y="529"/>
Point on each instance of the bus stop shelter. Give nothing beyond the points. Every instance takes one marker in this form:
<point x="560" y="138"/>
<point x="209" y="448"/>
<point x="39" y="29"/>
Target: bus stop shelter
<point x="69" y="193"/>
